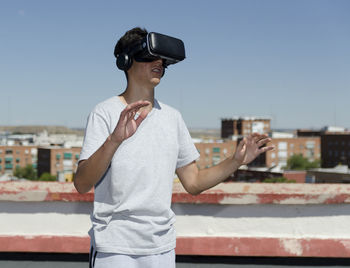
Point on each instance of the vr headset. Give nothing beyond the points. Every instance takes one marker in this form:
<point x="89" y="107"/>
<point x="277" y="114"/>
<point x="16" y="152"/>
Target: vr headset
<point x="152" y="47"/>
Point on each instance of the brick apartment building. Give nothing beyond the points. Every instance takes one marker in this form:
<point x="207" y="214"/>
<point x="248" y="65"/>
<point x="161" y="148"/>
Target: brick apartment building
<point x="17" y="156"/>
<point x="214" y="152"/>
<point x="243" y="126"/>
<point x="335" y="149"/>
<point x="60" y="162"/>
<point x="306" y="143"/>
<point x="335" y="145"/>
<point x="309" y="147"/>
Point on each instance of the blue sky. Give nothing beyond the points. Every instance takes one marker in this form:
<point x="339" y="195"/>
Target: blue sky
<point x="289" y="60"/>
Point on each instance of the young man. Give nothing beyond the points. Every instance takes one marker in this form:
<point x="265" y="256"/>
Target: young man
<point x="133" y="145"/>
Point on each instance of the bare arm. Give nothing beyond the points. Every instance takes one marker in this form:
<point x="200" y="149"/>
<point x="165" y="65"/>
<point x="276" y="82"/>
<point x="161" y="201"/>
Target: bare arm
<point x="195" y="181"/>
<point x="90" y="171"/>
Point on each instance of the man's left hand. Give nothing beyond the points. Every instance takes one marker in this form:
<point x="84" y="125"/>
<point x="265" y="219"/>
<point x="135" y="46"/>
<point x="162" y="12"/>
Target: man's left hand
<point x="251" y="147"/>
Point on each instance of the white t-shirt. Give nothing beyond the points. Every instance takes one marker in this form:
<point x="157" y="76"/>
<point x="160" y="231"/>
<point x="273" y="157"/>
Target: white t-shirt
<point x="132" y="213"/>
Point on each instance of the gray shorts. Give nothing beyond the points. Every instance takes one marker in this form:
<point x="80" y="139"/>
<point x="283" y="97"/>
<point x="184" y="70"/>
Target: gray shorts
<point x="114" y="260"/>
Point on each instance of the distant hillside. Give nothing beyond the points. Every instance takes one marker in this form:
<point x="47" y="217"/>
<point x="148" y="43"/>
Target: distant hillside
<point x="195" y="133"/>
<point x="205" y="133"/>
<point x="38" y="129"/>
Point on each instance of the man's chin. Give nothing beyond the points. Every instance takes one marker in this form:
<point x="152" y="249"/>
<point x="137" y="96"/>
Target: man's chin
<point x="155" y="81"/>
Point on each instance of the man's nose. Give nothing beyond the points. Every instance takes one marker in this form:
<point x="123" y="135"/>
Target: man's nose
<point x="159" y="60"/>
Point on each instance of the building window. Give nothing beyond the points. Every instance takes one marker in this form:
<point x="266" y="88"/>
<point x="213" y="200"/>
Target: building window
<point x="9" y="151"/>
<point x="58" y="156"/>
<point x="310" y="144"/>
<point x="8" y="160"/>
<point x="216" y="150"/>
<point x="1" y="159"/>
<point x="282" y="163"/>
<point x="67" y="156"/>
<point x="282" y="145"/>
<point x="310" y="153"/>
<point x="0" y="167"/>
<point x="17" y="160"/>
<point x="17" y="152"/>
<point x="282" y="154"/>
<point x="34" y="165"/>
<point x="8" y="166"/>
<point x="216" y="159"/>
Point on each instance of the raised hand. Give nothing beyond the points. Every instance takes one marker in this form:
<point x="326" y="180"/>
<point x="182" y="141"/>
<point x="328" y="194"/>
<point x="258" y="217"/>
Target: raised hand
<point x="127" y="124"/>
<point x="250" y="147"/>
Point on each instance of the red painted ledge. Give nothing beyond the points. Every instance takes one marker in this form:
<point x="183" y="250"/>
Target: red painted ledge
<point x="208" y="246"/>
<point x="224" y="193"/>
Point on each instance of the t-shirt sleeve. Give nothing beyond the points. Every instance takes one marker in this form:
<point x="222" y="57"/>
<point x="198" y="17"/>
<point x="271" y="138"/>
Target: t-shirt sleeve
<point x="187" y="149"/>
<point x="96" y="133"/>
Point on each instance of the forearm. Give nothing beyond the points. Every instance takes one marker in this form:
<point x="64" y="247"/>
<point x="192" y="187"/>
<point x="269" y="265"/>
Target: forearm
<point x="209" y="177"/>
<point x="91" y="170"/>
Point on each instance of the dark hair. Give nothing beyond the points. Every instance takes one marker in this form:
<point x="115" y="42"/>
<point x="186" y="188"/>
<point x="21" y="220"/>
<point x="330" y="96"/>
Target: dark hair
<point x="129" y="39"/>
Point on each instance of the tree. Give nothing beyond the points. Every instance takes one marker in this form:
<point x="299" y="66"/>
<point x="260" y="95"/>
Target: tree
<point x="278" y="180"/>
<point x="46" y="176"/>
<point x="298" y="162"/>
<point x="28" y="172"/>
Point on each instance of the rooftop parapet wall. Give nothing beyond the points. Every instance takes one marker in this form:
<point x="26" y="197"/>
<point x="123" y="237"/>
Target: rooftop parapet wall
<point x="236" y="219"/>
<point x="224" y="193"/>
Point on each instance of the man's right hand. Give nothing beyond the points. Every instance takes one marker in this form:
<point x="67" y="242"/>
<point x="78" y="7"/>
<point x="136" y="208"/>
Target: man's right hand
<point x="127" y="124"/>
<point x="90" y="171"/>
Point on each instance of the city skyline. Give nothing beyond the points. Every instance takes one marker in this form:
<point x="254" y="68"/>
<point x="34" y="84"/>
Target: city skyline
<point x="287" y="60"/>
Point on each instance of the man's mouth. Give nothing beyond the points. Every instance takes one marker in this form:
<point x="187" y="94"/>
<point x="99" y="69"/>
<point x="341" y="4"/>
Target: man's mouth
<point x="157" y="70"/>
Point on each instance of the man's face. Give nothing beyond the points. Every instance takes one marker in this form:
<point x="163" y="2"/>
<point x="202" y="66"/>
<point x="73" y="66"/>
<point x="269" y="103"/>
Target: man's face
<point x="146" y="73"/>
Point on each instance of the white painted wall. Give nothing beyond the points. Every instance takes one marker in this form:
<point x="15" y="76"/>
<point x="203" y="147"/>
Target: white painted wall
<point x="293" y="221"/>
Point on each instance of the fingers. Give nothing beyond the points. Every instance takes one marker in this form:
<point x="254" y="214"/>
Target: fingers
<point x="263" y="142"/>
<point x="141" y="117"/>
<point x="131" y="109"/>
<point x="256" y="136"/>
<point x="266" y="148"/>
<point x="260" y="140"/>
<point x="241" y="144"/>
<point x="135" y="106"/>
